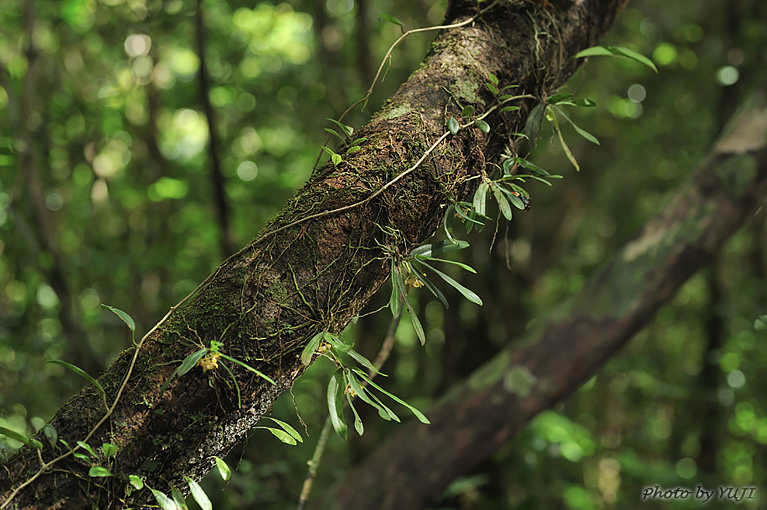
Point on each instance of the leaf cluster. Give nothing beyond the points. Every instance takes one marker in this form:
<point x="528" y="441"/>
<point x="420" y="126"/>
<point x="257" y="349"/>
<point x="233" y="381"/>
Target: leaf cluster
<point x="350" y="382"/>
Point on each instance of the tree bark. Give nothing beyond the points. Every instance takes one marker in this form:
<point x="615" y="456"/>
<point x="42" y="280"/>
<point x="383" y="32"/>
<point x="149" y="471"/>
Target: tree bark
<point x="555" y="358"/>
<point x="310" y="270"/>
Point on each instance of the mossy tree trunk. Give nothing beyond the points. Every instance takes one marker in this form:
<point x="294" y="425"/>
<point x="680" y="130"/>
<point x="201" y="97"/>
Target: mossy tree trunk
<point x="553" y="359"/>
<point x="302" y="276"/>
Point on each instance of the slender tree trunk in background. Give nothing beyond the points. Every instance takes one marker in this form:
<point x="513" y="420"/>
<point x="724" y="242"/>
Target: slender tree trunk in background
<point x="217" y="176"/>
<point x="329" y="55"/>
<point x="710" y="414"/>
<point x="709" y="410"/>
<point x="27" y="128"/>
<point x="304" y="276"/>
<point x="555" y="358"/>
<point x="362" y="35"/>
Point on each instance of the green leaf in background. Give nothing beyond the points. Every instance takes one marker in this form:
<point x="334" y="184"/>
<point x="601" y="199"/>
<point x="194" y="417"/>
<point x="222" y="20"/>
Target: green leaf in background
<point x="109" y="449"/>
<point x="448" y="223"/>
<point x="503" y="204"/>
<point x="480" y="198"/>
<point x="136" y="482"/>
<point x="99" y="472"/>
<point x="164" y="501"/>
<point x="438" y="248"/>
<point x="515" y="199"/>
<point x="199" y="494"/>
<point x="453" y="126"/>
<point x="508" y="109"/>
<point x="127" y="319"/>
<point x="50" y="433"/>
<point x="347" y="130"/>
<point x="535" y="170"/>
<point x="85" y="446"/>
<point x="557" y="98"/>
<point x="336" y="342"/>
<point x="311" y="347"/>
<point x="430" y="286"/>
<point x="533" y="123"/>
<point x="248" y="367"/>
<point x="287" y="428"/>
<point x="616" y="51"/>
<point x="236" y="385"/>
<point x="79" y="371"/>
<point x="362" y="360"/>
<point x="398" y="290"/>
<point x="482" y="125"/>
<point x="365" y="397"/>
<point x="467" y="293"/>
<point x="565" y="147"/>
<point x="223" y="468"/>
<point x="191" y="361"/>
<point x="358" y="426"/>
<point x="462" y="210"/>
<point x="585" y="134"/>
<point x="416" y="323"/>
<point x="178" y="498"/>
<point x="447" y="261"/>
<point x="335" y="133"/>
<point x="391" y="19"/>
<point x="387" y="410"/>
<point x="334" y="405"/>
<point x="14" y="435"/>
<point x="418" y="414"/>
<point x="584" y="103"/>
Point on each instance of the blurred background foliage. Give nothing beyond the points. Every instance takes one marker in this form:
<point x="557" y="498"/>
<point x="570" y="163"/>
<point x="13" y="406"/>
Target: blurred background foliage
<point x="108" y="195"/>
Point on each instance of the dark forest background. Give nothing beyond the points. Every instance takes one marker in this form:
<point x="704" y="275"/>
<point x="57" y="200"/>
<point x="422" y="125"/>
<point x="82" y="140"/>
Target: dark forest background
<point x="131" y="164"/>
